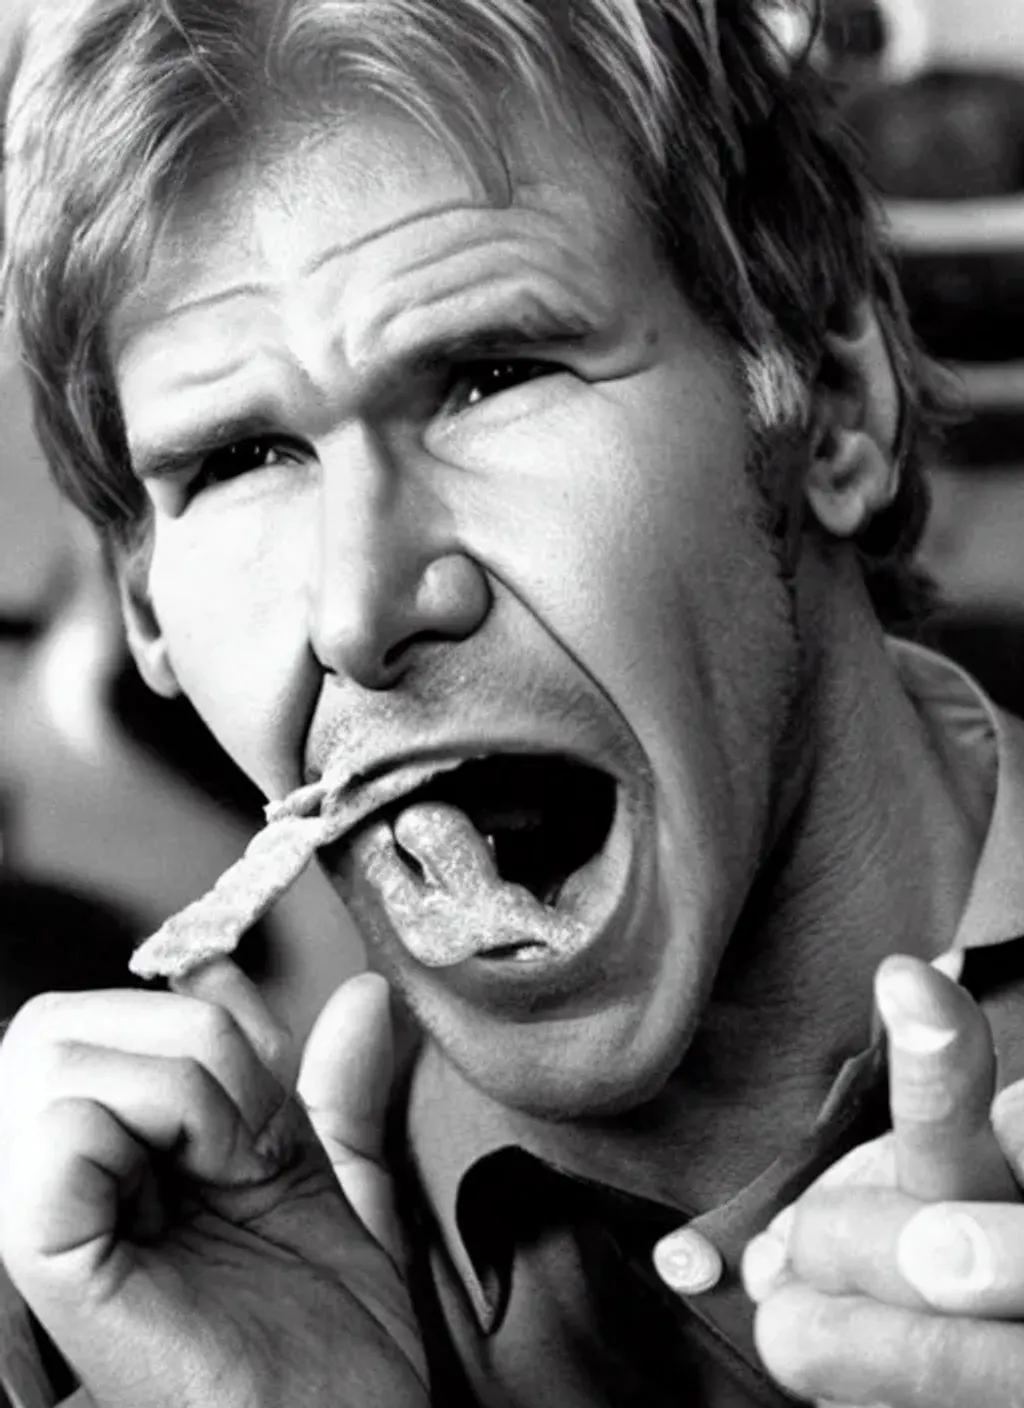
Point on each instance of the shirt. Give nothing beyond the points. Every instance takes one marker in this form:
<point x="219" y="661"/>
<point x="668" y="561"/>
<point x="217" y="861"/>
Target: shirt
<point x="532" y="1271"/>
<point x="534" y="1239"/>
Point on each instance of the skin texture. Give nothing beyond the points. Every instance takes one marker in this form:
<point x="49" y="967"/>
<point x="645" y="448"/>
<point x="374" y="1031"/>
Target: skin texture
<point x="410" y="573"/>
<point x="488" y="551"/>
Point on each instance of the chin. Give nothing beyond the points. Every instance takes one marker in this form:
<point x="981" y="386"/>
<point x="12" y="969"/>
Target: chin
<point x="591" y="1060"/>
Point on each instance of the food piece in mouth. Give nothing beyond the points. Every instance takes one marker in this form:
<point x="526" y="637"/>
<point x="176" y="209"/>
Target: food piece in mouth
<point x="476" y="864"/>
<point x="473" y="860"/>
<point x="543" y="817"/>
<point x="450" y="903"/>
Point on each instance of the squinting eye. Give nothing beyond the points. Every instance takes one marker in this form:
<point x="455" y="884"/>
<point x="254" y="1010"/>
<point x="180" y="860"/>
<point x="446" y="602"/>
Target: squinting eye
<point x="474" y="382"/>
<point x="240" y="457"/>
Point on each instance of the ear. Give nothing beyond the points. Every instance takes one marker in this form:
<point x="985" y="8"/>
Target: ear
<point x="145" y="637"/>
<point x="853" y="471"/>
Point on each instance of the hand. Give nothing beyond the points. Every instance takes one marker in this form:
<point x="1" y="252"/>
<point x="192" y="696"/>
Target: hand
<point x="170" y="1215"/>
<point x="897" y="1277"/>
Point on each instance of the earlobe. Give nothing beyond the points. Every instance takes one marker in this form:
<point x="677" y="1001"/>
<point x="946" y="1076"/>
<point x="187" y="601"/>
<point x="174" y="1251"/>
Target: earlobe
<point x="853" y="474"/>
<point x="145" y="637"/>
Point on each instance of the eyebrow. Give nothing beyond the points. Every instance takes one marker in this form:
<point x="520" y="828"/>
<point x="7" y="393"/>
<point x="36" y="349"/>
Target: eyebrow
<point x="164" y="458"/>
<point x="532" y="328"/>
<point x="528" y="330"/>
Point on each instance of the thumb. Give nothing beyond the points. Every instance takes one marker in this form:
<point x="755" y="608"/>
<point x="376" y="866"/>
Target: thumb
<point x="345" y="1082"/>
<point x="941" y="1081"/>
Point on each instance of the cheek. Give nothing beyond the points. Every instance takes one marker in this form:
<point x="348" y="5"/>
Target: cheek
<point x="232" y="613"/>
<point x="637" y="545"/>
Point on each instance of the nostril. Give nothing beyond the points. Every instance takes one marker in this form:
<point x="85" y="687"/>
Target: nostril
<point x="394" y="656"/>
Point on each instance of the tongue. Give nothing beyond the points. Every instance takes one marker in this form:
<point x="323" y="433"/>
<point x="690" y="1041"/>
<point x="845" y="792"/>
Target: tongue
<point x="453" y="854"/>
<point x="461" y="907"/>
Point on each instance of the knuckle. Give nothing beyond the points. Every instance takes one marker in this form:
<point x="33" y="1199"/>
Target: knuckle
<point x="829" y="1235"/>
<point x="32" y="1056"/>
<point x="36" y="1016"/>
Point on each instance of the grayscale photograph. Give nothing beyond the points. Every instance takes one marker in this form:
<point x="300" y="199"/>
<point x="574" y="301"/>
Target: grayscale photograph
<point x="511" y="703"/>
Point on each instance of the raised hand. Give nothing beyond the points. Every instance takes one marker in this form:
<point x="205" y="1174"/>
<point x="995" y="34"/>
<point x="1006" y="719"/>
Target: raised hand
<point x="898" y="1277"/>
<point x="169" y="1213"/>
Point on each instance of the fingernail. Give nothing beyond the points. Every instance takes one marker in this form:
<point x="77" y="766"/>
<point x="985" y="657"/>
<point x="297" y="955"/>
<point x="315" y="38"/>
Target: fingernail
<point x="765" y="1266"/>
<point x="943" y="1250"/>
<point x="688" y="1263"/>
<point x="914" y="1015"/>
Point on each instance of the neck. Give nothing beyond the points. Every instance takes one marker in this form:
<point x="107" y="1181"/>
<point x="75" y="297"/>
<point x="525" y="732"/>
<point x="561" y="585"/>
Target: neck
<point x="876" y="856"/>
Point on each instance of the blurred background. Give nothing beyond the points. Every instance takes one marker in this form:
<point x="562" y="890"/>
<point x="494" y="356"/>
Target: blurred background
<point x="116" y="808"/>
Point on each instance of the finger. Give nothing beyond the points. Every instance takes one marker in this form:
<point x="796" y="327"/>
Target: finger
<point x="345" y="1083"/>
<point x="175" y="1107"/>
<point x="941" y="1082"/>
<point x="958" y="1258"/>
<point x="1007" y="1115"/>
<point x="967" y="1258"/>
<point x="222" y="984"/>
<point x="141" y="1023"/>
<point x="765" y="1263"/>
<point x="839" y="1240"/>
<point x="853" y="1350"/>
<point x="62" y="1200"/>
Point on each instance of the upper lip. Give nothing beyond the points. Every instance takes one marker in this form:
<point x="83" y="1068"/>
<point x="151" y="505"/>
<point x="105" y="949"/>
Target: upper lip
<point x="357" y="795"/>
<point x="352" y="801"/>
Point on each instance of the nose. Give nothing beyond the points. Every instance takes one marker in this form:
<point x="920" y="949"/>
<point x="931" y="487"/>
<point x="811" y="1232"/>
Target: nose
<point x="388" y="578"/>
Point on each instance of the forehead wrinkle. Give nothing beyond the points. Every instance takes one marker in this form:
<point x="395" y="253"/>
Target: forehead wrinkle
<point x="483" y="278"/>
<point x="195" y="378"/>
<point x="347" y="248"/>
<point x="212" y="344"/>
<point x="153" y="307"/>
<point x="550" y="230"/>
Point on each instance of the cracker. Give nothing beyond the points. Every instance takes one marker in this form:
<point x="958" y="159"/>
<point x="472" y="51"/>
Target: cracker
<point x="212" y="927"/>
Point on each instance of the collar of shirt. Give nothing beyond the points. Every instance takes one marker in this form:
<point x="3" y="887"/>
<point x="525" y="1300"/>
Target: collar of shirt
<point x="455" y="1131"/>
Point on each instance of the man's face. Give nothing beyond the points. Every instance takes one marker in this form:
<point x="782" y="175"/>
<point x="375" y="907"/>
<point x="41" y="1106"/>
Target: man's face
<point x="436" y="481"/>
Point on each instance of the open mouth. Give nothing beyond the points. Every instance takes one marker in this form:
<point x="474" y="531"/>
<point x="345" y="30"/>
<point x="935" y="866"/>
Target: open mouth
<point x="542" y="818"/>
<point x="501" y="857"/>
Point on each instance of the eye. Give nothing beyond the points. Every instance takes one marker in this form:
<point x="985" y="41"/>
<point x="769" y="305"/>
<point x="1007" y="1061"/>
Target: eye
<point x="473" y="382"/>
<point x="242" y="457"/>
